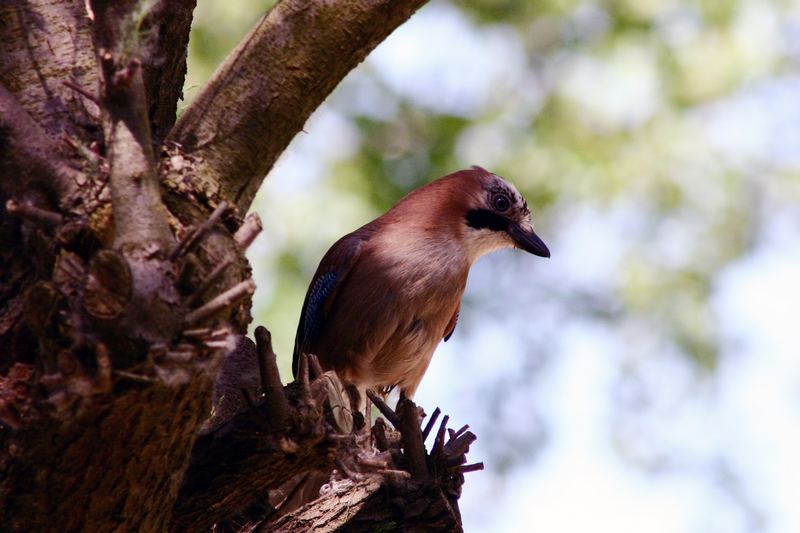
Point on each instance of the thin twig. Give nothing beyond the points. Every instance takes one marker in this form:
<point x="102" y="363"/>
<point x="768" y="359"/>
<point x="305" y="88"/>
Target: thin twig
<point x="33" y="213"/>
<point x="212" y="278"/>
<point x="87" y="153"/>
<point x="385" y="410"/>
<point x="461" y="431"/>
<point x="182" y="243"/>
<point x="175" y="356"/>
<point x="225" y="300"/>
<point x="439" y="442"/>
<point x="430" y="423"/>
<point x="193" y="237"/>
<point x="460" y="445"/>
<point x="471" y="468"/>
<point x="83" y="92"/>
<point x="217" y="344"/>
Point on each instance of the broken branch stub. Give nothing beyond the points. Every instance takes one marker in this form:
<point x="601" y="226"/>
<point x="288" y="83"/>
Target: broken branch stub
<point x="227" y="299"/>
<point x="274" y="397"/>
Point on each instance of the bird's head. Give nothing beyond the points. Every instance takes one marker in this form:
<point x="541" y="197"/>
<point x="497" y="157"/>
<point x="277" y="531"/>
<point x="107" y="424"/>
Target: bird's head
<point x="496" y="215"/>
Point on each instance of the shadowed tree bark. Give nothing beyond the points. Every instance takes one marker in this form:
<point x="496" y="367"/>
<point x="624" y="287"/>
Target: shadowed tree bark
<point x="125" y="292"/>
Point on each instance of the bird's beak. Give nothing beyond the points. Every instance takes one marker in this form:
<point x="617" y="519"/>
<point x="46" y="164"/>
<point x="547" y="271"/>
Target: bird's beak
<point x="526" y="239"/>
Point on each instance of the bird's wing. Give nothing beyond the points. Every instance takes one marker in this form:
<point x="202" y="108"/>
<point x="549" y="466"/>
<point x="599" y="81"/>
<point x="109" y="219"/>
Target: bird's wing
<point x="451" y="326"/>
<point x="331" y="273"/>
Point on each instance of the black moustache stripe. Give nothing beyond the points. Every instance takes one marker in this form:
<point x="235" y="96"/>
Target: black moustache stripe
<point x="485" y="219"/>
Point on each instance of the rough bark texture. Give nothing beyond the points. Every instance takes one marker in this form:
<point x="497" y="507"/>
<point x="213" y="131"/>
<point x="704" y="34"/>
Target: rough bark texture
<point x="238" y="458"/>
<point x="30" y="155"/>
<point x="47" y="43"/>
<point x="165" y="65"/>
<point x="259" y="99"/>
<point x="252" y="448"/>
<point x="360" y="506"/>
<point x="115" y="467"/>
<point x="125" y="288"/>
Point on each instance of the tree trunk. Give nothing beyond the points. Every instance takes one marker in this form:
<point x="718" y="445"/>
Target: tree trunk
<point x="125" y="288"/>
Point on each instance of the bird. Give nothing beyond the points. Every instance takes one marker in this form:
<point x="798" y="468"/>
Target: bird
<point x="385" y="295"/>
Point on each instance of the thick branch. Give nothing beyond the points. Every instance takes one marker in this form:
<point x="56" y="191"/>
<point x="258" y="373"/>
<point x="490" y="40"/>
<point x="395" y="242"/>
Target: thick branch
<point x="167" y="27"/>
<point x="245" y="457"/>
<point x="247" y="450"/>
<point x="46" y="43"/>
<point x="157" y="32"/>
<point x="28" y="155"/>
<point x="115" y="467"/>
<point x="264" y="92"/>
<point x="374" y="505"/>
<point x="140" y="218"/>
<point x="221" y="302"/>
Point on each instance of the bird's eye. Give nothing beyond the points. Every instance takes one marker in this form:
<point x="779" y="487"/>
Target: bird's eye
<point x="501" y="202"/>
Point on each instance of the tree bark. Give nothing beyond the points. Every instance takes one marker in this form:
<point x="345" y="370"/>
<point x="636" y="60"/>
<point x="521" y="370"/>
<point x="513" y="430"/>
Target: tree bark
<point x="114" y="466"/>
<point x="264" y="92"/>
<point x="168" y="24"/>
<point x="45" y="44"/>
<point x="365" y="505"/>
<point x="125" y="288"/>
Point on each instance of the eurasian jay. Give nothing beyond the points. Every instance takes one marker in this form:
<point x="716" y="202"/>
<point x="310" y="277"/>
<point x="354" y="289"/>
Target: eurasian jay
<point x="385" y="295"/>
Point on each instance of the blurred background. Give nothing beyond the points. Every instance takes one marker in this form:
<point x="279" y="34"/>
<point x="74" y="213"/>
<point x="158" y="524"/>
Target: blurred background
<point x="647" y="377"/>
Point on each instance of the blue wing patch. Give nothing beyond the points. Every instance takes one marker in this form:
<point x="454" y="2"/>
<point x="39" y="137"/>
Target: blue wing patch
<point x="337" y="261"/>
<point x="312" y="319"/>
